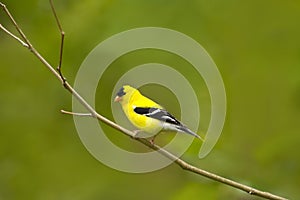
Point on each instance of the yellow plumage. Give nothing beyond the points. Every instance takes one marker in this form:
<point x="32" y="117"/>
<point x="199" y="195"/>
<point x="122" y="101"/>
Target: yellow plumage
<point x="147" y="115"/>
<point x="133" y="99"/>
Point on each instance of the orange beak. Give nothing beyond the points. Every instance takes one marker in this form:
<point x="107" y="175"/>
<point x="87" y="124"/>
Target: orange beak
<point x="117" y="99"/>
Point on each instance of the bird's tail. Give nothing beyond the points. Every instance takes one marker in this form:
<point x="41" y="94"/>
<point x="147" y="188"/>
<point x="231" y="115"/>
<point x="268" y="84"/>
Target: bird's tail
<point x="186" y="130"/>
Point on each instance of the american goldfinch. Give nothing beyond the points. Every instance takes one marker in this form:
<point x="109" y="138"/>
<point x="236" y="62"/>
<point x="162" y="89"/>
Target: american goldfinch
<point x="147" y="115"/>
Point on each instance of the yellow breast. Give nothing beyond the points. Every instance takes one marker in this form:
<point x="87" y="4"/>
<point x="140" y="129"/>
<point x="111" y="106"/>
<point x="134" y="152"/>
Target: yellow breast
<point x="142" y="122"/>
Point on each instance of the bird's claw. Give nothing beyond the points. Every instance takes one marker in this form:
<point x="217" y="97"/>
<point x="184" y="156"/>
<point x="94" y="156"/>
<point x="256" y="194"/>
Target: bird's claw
<point x="152" y="141"/>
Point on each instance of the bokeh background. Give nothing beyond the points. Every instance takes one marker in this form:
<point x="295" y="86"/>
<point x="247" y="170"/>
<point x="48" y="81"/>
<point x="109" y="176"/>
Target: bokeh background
<point x="256" y="46"/>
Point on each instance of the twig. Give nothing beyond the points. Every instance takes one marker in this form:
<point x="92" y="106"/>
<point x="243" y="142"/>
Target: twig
<point x="15" y="24"/>
<point x="62" y="33"/>
<point x="13" y="36"/>
<point x="184" y="165"/>
<point x="76" y="114"/>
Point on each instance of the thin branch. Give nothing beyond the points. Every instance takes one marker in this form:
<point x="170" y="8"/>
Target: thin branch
<point x="56" y="17"/>
<point x="15" y="24"/>
<point x="62" y="33"/>
<point x="184" y="165"/>
<point x="29" y="45"/>
<point x="76" y="114"/>
<point x="13" y="36"/>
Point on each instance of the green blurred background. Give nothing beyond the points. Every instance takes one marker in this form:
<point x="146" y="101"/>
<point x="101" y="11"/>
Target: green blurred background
<point x="256" y="46"/>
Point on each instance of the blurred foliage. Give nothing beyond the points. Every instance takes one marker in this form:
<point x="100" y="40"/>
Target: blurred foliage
<point x="256" y="46"/>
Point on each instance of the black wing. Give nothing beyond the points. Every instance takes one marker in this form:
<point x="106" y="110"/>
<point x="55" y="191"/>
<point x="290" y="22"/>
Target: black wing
<point x="158" y="114"/>
<point x="164" y="116"/>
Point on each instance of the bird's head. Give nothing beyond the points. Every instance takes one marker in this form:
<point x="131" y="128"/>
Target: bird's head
<point x="124" y="94"/>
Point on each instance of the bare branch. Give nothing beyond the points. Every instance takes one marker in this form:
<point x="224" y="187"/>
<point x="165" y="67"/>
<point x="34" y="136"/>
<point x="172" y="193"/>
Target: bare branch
<point x="62" y="33"/>
<point x="184" y="165"/>
<point x="13" y="36"/>
<point x="30" y="47"/>
<point x="76" y="114"/>
<point x="15" y="24"/>
<point x="55" y="15"/>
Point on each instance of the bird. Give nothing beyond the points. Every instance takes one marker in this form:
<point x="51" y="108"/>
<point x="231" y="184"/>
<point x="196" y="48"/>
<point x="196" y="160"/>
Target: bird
<point x="147" y="115"/>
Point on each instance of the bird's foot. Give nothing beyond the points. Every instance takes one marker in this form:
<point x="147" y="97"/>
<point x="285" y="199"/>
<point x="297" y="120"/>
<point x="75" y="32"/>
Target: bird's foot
<point x="152" y="141"/>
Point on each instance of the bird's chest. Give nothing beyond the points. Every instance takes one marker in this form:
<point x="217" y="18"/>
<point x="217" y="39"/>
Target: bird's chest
<point x="145" y="123"/>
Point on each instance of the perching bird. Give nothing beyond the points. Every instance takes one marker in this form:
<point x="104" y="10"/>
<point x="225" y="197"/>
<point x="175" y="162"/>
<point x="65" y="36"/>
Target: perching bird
<point x="147" y="115"/>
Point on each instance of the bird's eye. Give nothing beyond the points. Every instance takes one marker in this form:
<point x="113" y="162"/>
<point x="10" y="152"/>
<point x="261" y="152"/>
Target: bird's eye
<point x="121" y="92"/>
